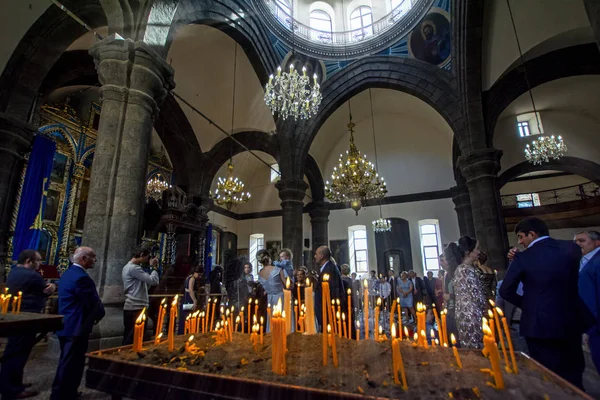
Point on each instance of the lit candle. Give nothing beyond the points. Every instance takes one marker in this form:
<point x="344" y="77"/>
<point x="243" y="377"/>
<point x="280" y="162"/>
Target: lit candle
<point x="19" y="302"/>
<point x="392" y="310"/>
<point x="295" y="314"/>
<point x="491" y="351"/>
<point x="324" y="316"/>
<point x="455" y="351"/>
<point x="344" y="325"/>
<point x="157" y="339"/>
<point x="161" y="316"/>
<point x="432" y="334"/>
<point x="423" y="338"/>
<point x="333" y="346"/>
<point x="138" y="331"/>
<point x="416" y="339"/>
<point x="242" y="319"/>
<point x="406" y="333"/>
<point x="509" y="340"/>
<point x="228" y="316"/>
<point x="376" y="321"/>
<point x="171" y="331"/>
<point x="237" y="322"/>
<point x="309" y="301"/>
<point x="298" y="294"/>
<point x="349" y="315"/>
<point x="212" y="314"/>
<point x="499" y="330"/>
<point x="287" y="304"/>
<point x="438" y="322"/>
<point x="366" y="307"/>
<point x="269" y="316"/>
<point x="256" y="308"/>
<point x="249" y="315"/>
<point x="14" y="304"/>
<point x="261" y="330"/>
<point x="357" y="331"/>
<point x="395" y="367"/>
<point x="400" y="330"/>
<point x="188" y="343"/>
<point x="491" y="315"/>
<point x="332" y="316"/>
<point x="444" y="335"/>
<point x="186" y="329"/>
<point x="338" y="318"/>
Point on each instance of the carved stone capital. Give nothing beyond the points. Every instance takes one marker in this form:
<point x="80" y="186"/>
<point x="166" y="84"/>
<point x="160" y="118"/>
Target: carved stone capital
<point x="484" y="163"/>
<point x="318" y="211"/>
<point x="291" y="191"/>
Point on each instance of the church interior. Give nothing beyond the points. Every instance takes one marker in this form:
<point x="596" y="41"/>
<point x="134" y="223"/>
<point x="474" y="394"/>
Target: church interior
<point x="167" y="124"/>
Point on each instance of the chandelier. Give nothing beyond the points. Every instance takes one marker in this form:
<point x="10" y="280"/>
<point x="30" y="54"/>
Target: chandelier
<point x="230" y="190"/>
<point x="355" y="179"/>
<point x="290" y="94"/>
<point x="544" y="149"/>
<point x="155" y="187"/>
<point x="382" y="225"/>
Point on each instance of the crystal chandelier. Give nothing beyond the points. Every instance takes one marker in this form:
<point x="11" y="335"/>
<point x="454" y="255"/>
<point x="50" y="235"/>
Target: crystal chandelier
<point x="382" y="225"/>
<point x="290" y="94"/>
<point x="355" y="179"/>
<point x="155" y="187"/>
<point x="544" y="149"/>
<point x="230" y="190"/>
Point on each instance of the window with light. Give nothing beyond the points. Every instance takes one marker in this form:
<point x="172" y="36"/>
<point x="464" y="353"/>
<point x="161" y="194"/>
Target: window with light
<point x="257" y="242"/>
<point x="523" y="128"/>
<point x="429" y="231"/>
<point x="357" y="243"/>
<point x="284" y="10"/>
<point x="321" y="21"/>
<point x="275" y="172"/>
<point x="527" y="200"/>
<point x="362" y="18"/>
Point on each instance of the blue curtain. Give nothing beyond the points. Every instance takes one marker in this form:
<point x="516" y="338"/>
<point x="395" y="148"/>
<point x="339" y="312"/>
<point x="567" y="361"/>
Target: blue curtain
<point x="33" y="199"/>
<point x="208" y="251"/>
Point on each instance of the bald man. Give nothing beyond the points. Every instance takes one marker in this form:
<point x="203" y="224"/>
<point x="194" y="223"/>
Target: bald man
<point x="80" y="304"/>
<point x="336" y="287"/>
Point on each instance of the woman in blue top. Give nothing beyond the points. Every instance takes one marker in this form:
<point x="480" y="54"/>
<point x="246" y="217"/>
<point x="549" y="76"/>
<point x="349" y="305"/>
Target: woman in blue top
<point x="271" y="278"/>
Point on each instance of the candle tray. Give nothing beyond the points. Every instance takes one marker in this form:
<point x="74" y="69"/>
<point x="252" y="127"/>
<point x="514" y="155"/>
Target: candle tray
<point x="27" y="323"/>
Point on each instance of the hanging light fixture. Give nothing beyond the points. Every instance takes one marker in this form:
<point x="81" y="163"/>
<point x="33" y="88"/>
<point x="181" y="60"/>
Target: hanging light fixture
<point x="155" y="187"/>
<point x="380" y="225"/>
<point x="230" y="190"/>
<point x="545" y="148"/>
<point x="290" y="94"/>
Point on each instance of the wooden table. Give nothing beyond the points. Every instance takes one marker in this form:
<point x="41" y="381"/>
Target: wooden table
<point x="22" y="323"/>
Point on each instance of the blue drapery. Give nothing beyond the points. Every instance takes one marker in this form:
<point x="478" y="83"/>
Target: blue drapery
<point x="33" y="197"/>
<point x="208" y="251"/>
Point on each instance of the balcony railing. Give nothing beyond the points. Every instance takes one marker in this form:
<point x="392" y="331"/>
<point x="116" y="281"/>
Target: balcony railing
<point x="339" y="38"/>
<point x="554" y="196"/>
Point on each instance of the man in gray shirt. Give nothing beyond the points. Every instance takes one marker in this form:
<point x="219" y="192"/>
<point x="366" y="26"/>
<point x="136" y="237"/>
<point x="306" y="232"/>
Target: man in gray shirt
<point x="135" y="283"/>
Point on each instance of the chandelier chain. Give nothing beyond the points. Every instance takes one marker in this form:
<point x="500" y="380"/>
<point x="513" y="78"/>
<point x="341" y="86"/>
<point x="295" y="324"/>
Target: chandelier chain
<point x="233" y="96"/>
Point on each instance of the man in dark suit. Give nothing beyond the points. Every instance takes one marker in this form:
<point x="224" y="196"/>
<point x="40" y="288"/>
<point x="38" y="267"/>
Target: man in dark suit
<point x="589" y="286"/>
<point x="551" y="319"/>
<point x="394" y="292"/>
<point x="419" y="292"/>
<point x="78" y="301"/>
<point x="336" y="287"/>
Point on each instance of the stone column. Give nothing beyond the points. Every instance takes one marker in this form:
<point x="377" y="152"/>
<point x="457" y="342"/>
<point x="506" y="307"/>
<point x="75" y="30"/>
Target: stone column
<point x="592" y="7"/>
<point x="135" y="80"/>
<point x="204" y="204"/>
<point x="291" y="193"/>
<point x="480" y="169"/>
<point x="319" y="220"/>
<point x="462" y="205"/>
<point x="78" y="174"/>
<point x="15" y="140"/>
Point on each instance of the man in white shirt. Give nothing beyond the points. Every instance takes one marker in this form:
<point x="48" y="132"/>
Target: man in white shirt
<point x="590" y="244"/>
<point x="135" y="283"/>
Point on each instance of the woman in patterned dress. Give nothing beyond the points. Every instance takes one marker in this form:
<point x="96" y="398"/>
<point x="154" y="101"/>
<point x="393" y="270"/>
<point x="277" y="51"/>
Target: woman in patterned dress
<point x="468" y="291"/>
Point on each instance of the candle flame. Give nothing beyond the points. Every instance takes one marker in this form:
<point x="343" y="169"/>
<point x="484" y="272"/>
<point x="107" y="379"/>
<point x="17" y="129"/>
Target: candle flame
<point x="437" y="342"/>
<point x="398" y="300"/>
<point x="256" y="302"/>
<point x="393" y="331"/>
<point x="222" y="310"/>
<point x="227" y="312"/>
<point x="349" y="291"/>
<point x="242" y="309"/>
<point x="445" y="311"/>
<point x="163" y="301"/>
<point x="218" y="325"/>
<point x="366" y="283"/>
<point x="216" y="300"/>
<point x="487" y="330"/>
<point x="406" y="332"/>
<point x="432" y="334"/>
<point x="378" y="301"/>
<point x="337" y="301"/>
<point x="279" y="303"/>
<point x="283" y="314"/>
<point x="333" y="302"/>
<point x="254" y="319"/>
<point x="445" y="344"/>
<point x="307" y="282"/>
<point x="499" y="311"/>
<point x="295" y="302"/>
<point x="423" y="333"/>
<point x="140" y="317"/>
<point x="328" y="328"/>
<point x="357" y="324"/>
<point x="452" y="339"/>
<point x="191" y="338"/>
<point x="262" y="320"/>
<point x="343" y="316"/>
<point x="484" y="320"/>
<point x="492" y="303"/>
<point x="416" y="336"/>
<point x="380" y="330"/>
<point x="232" y="308"/>
<point x="287" y="282"/>
<point x="237" y="320"/>
<point x="490" y="314"/>
<point x="174" y="303"/>
<point x="337" y="315"/>
<point x="159" y="336"/>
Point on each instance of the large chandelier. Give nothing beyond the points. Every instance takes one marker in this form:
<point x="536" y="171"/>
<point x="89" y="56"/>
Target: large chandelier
<point x="155" y="187"/>
<point x="355" y="179"/>
<point x="230" y="190"/>
<point x="544" y="149"/>
<point x="291" y="95"/>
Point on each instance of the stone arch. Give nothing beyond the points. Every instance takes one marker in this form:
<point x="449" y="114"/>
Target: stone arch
<point x="577" y="166"/>
<point x="577" y="60"/>
<point x="426" y="82"/>
<point x="244" y="28"/>
<point x="33" y="58"/>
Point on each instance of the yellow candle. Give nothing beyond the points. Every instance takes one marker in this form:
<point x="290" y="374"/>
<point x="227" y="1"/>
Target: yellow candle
<point x="444" y="335"/>
<point x="256" y="308"/>
<point x="249" y="314"/>
<point x="287" y="304"/>
<point x="188" y="344"/>
<point x="14" y="304"/>
<point x="242" y="319"/>
<point x="432" y="334"/>
<point x="376" y="322"/>
<point x="492" y="353"/>
<point x="492" y="328"/>
<point x="344" y="325"/>
<point x="138" y="331"/>
<point x="438" y="322"/>
<point x="333" y="346"/>
<point x="455" y="351"/>
<point x="399" y="309"/>
<point x="237" y="322"/>
<point x="357" y="331"/>
<point x="406" y="333"/>
<point x="309" y="301"/>
<point x="324" y="316"/>
<point x="499" y="329"/>
<point x="19" y="302"/>
<point x="349" y="315"/>
<point x="423" y="339"/>
<point x="338" y="318"/>
<point x="171" y="331"/>
<point x="212" y="314"/>
<point x="366" y="307"/>
<point x="299" y="300"/>
<point x="509" y="340"/>
<point x="157" y="339"/>
<point x="394" y="355"/>
<point x="268" y="315"/>
<point x="295" y="315"/>
<point x="261" y="330"/>
<point x="392" y="310"/>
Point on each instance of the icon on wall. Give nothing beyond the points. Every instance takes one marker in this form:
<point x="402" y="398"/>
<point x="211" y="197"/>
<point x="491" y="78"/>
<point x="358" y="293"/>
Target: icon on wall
<point x="431" y="40"/>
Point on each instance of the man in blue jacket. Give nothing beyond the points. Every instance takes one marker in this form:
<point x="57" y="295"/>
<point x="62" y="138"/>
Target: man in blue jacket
<point x="551" y="319"/>
<point x="80" y="304"/>
<point x="589" y="286"/>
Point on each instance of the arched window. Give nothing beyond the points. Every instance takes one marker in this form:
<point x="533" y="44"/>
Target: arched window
<point x="320" y="21"/>
<point x="284" y="11"/>
<point x="257" y="242"/>
<point x="357" y="243"/>
<point x="399" y="8"/>
<point x="361" y="19"/>
<point x="431" y="247"/>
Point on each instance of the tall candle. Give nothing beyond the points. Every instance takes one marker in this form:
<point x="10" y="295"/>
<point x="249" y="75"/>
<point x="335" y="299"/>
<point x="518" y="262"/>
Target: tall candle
<point x="366" y="307"/>
<point x="395" y="367"/>
<point x="19" y="302"/>
<point x="344" y="325"/>
<point x="188" y="343"/>
<point x="357" y="331"/>
<point x="161" y="315"/>
<point x="509" y="340"/>
<point x="376" y="321"/>
<point x="171" y="331"/>
<point x="262" y="331"/>
<point x="324" y="316"/>
<point x="310" y="309"/>
<point x="298" y="294"/>
<point x="269" y="316"/>
<point x="499" y="329"/>
<point x="138" y="331"/>
<point x="249" y="314"/>
<point x="492" y="325"/>
<point x="242" y="319"/>
<point x="455" y="351"/>
<point x="392" y="310"/>
<point x="237" y="322"/>
<point x="295" y="315"/>
<point x="399" y="364"/>
<point x="423" y="338"/>
<point x="287" y="304"/>
<point x="492" y="352"/>
<point x="432" y="334"/>
<point x="332" y="317"/>
<point x="212" y="314"/>
<point x="400" y="330"/>
<point x="349" y="315"/>
<point x="333" y="346"/>
<point x="256" y="308"/>
<point x="438" y="322"/>
<point x="444" y="335"/>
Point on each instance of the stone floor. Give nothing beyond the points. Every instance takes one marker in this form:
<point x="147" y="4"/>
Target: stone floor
<point x="42" y="366"/>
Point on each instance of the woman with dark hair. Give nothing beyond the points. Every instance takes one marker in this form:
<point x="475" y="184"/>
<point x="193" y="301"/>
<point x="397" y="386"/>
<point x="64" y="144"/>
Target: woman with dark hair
<point x="190" y="298"/>
<point x="469" y="298"/>
<point x="236" y="284"/>
<point x="487" y="276"/>
<point x="271" y="278"/>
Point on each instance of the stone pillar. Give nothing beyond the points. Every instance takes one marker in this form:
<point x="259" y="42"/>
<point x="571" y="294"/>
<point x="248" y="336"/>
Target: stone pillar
<point x="135" y="80"/>
<point x="480" y="169"/>
<point x="204" y="204"/>
<point x="462" y="205"/>
<point x="78" y="174"/>
<point x="291" y="193"/>
<point x="15" y="140"/>
<point x="319" y="220"/>
<point x="592" y="7"/>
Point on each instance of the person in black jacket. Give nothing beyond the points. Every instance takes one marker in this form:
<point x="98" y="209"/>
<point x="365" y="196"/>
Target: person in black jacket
<point x="336" y="287"/>
<point x="553" y="317"/>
